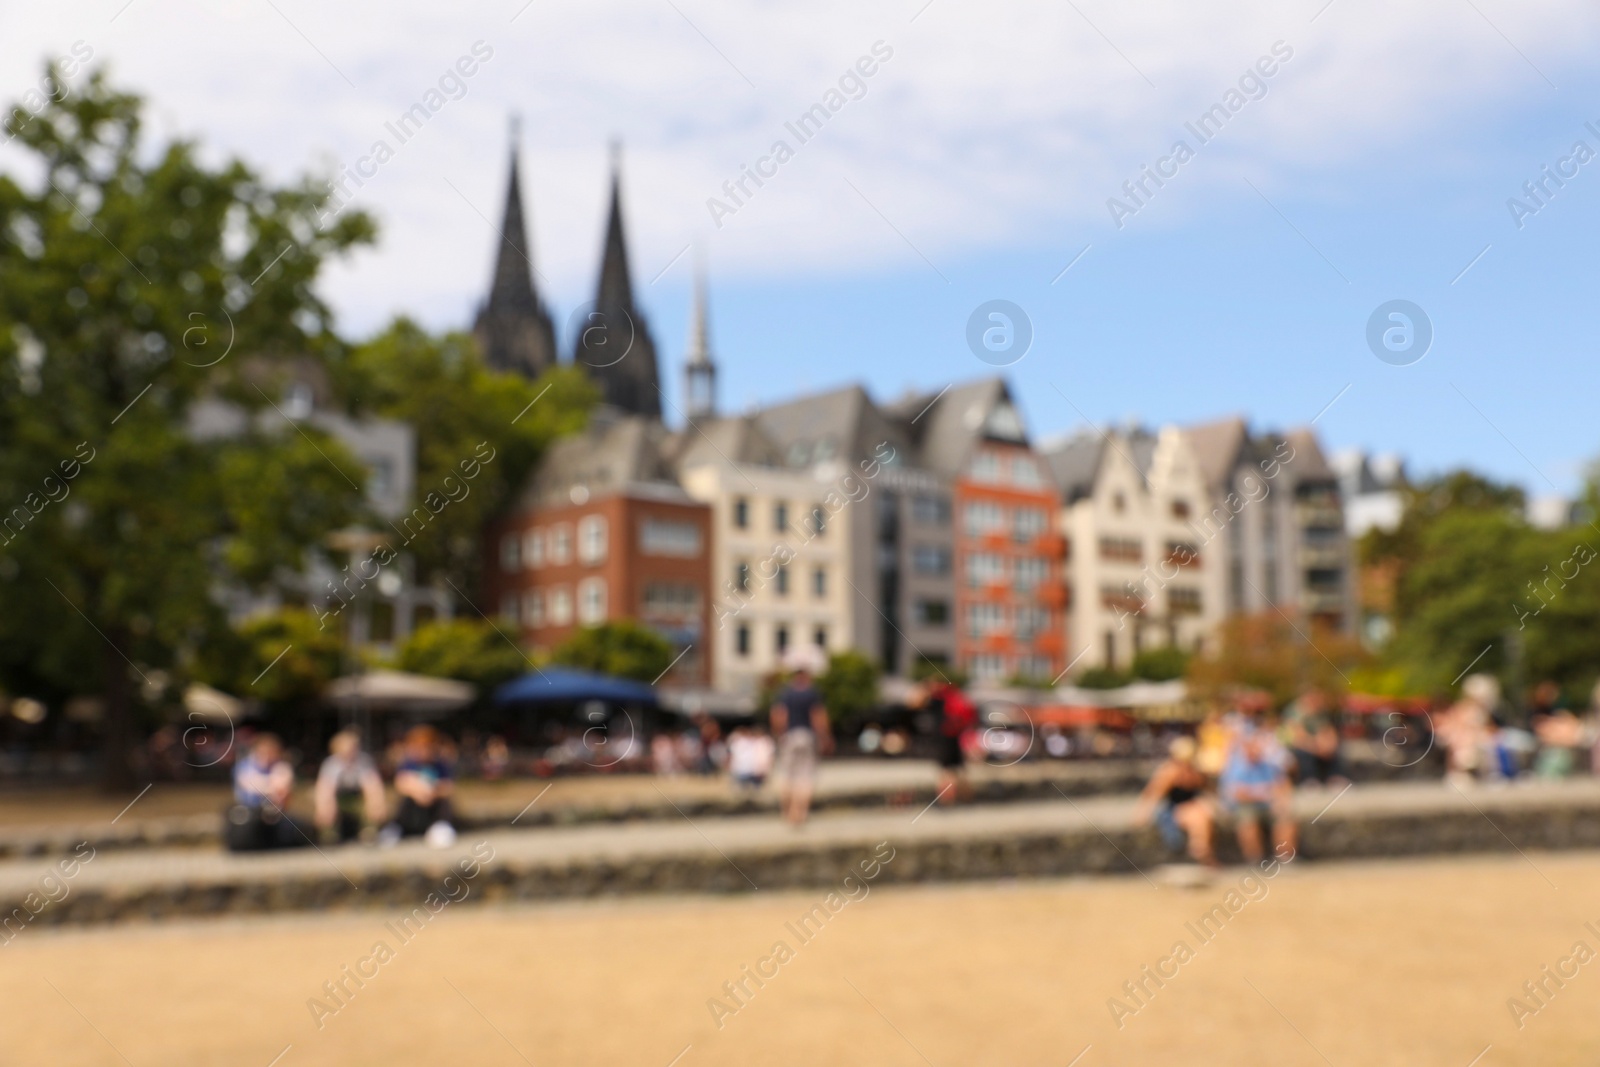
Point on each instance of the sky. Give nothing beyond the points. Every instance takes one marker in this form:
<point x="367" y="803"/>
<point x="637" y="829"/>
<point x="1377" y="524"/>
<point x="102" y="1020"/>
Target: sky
<point x="979" y="161"/>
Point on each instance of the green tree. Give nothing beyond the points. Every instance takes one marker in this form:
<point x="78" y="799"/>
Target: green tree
<point x="622" y="648"/>
<point x="440" y="386"/>
<point x="1268" y="652"/>
<point x="1103" y="678"/>
<point x="849" y="686"/>
<point x="471" y="650"/>
<point x="135" y="280"/>
<point x="1160" y="664"/>
<point x="282" y="657"/>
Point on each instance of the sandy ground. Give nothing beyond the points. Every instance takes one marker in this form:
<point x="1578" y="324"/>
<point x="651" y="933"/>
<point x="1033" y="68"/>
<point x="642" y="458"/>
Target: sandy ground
<point x="1380" y="963"/>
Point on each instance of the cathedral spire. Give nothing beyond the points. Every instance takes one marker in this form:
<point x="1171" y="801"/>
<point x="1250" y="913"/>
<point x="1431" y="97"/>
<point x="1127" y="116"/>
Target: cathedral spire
<point x="513" y="328"/>
<point x="699" y="372"/>
<point x="613" y="342"/>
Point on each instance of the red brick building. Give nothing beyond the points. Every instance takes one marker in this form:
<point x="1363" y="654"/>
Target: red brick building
<point x="602" y="534"/>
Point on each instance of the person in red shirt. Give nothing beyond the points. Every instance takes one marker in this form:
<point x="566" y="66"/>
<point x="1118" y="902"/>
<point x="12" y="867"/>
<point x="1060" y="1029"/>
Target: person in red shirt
<point x="956" y="717"/>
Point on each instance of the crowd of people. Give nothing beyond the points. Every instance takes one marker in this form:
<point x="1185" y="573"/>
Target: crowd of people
<point x="1237" y="772"/>
<point x="349" y="799"/>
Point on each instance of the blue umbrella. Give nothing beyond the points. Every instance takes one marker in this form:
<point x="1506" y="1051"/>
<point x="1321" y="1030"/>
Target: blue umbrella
<point x="565" y="685"/>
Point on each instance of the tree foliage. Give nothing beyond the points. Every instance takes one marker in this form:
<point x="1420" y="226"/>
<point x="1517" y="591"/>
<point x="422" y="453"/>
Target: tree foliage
<point x="441" y="387"/>
<point x="622" y="648"/>
<point x="1267" y="652"/>
<point x="470" y="650"/>
<point x="849" y="687"/>
<point x="134" y="281"/>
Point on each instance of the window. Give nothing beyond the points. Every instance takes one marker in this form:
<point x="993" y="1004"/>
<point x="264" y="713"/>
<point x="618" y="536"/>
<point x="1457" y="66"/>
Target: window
<point x="1031" y="620"/>
<point x="984" y="568"/>
<point x="1029" y="572"/>
<point x="1183" y="553"/>
<point x="930" y="510"/>
<point x="1123" y="549"/>
<point x="592" y="601"/>
<point x="510" y="556"/>
<point x="819" y="582"/>
<point x="560" y="607"/>
<point x="561" y="545"/>
<point x="782" y="579"/>
<point x="988" y="668"/>
<point x="819" y="637"/>
<point x="1323" y="536"/>
<point x="592" y="539"/>
<point x="298" y="400"/>
<point x="1119" y="503"/>
<point x="741" y="640"/>
<point x="380" y="476"/>
<point x="533" y="608"/>
<point x="1183" y="601"/>
<point x="1324" y="579"/>
<point x="1028" y="523"/>
<point x="508" y="606"/>
<point x="986" y="467"/>
<point x="819" y="521"/>
<point x="986" y="619"/>
<point x="984" y="518"/>
<point x="933" y="612"/>
<point x="1180" y="509"/>
<point x="930" y="559"/>
<point x="780" y="516"/>
<point x="669" y="599"/>
<point x="666" y="537"/>
<point x="533" y="548"/>
<point x="1025" y="472"/>
<point x="780" y="639"/>
<point x="741" y="577"/>
<point x="1035" y="667"/>
<point x="741" y="513"/>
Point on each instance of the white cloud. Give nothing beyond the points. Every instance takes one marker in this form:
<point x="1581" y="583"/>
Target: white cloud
<point x="993" y="125"/>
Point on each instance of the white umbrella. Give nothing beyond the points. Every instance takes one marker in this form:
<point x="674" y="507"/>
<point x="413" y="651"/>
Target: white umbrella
<point x="396" y="690"/>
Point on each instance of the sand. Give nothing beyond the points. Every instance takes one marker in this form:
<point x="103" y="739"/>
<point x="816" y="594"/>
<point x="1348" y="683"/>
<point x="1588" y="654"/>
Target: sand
<point x="1376" y="963"/>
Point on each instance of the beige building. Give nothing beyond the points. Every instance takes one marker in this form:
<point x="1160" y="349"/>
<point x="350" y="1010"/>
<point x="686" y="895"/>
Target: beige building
<point x="1138" y="577"/>
<point x="780" y="547"/>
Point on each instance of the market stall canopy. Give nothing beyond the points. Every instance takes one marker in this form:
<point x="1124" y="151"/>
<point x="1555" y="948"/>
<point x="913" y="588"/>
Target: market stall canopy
<point x="205" y="704"/>
<point x="417" y="694"/>
<point x="563" y="685"/>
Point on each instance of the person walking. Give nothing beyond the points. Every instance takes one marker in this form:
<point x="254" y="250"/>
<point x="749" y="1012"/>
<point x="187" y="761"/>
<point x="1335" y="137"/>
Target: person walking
<point x="800" y="723"/>
<point x="347" y="782"/>
<point x="956" y="715"/>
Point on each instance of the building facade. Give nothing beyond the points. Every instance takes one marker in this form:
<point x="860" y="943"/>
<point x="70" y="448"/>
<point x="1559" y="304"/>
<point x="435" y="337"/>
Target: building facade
<point x="1276" y="518"/>
<point x="1008" y="596"/>
<point x="603" y="532"/>
<point x="1138" y="576"/>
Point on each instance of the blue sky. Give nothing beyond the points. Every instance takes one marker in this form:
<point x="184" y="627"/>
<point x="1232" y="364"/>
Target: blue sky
<point x="1376" y="166"/>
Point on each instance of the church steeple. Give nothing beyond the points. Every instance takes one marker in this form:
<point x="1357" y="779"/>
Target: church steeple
<point x="613" y="341"/>
<point x="513" y="327"/>
<point x="699" y="371"/>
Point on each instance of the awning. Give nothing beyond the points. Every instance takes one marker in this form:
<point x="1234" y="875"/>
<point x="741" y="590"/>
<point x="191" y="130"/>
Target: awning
<point x="564" y="685"/>
<point x="417" y="694"/>
<point x="205" y="704"/>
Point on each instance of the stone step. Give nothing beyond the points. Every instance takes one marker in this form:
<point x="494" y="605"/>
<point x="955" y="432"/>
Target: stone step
<point x="757" y="853"/>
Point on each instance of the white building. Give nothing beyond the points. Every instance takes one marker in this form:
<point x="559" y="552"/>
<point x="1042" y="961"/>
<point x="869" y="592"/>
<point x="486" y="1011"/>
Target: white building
<point x="1138" y="576"/>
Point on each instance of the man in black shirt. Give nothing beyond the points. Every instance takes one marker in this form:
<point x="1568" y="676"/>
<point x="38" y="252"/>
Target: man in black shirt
<point x="800" y="723"/>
